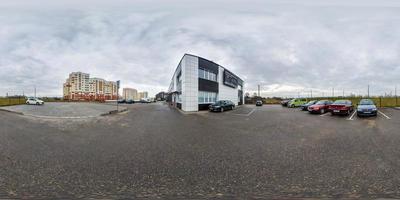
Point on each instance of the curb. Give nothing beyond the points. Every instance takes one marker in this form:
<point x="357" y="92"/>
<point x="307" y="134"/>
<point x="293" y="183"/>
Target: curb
<point x="114" y="112"/>
<point x="10" y="111"/>
<point x="53" y="117"/>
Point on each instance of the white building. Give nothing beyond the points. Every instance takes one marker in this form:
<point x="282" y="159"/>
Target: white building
<point x="129" y="94"/>
<point x="198" y="82"/>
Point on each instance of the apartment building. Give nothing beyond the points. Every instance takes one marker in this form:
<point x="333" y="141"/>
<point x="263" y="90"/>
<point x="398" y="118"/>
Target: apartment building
<point x="143" y="95"/>
<point x="130" y="94"/>
<point x="79" y="86"/>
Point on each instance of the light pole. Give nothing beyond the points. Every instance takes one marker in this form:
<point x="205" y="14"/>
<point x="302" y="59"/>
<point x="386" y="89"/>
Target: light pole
<point x="395" y="93"/>
<point x="118" y="82"/>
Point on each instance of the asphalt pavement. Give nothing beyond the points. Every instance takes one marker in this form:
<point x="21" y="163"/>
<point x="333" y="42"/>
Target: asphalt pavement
<point x="154" y="151"/>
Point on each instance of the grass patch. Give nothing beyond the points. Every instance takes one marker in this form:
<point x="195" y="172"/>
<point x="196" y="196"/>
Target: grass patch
<point x="11" y="101"/>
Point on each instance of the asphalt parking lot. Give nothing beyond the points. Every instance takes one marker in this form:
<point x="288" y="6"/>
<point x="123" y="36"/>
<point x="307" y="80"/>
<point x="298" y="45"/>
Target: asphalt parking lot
<point x="154" y="151"/>
<point x="64" y="109"/>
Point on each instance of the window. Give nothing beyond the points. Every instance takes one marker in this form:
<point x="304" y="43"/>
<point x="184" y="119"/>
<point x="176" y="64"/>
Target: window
<point x="207" y="97"/>
<point x="201" y="73"/>
<point x="206" y="74"/>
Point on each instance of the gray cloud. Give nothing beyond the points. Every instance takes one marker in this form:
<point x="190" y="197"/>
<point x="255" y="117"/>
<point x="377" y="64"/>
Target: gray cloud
<point x="287" y="47"/>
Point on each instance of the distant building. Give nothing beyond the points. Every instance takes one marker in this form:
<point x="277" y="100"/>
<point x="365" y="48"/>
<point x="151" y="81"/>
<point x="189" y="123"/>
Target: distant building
<point x="143" y="95"/>
<point x="79" y="86"/>
<point x="161" y="96"/>
<point x="130" y="94"/>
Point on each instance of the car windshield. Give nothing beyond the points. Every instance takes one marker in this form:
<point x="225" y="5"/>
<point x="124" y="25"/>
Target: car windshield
<point x="366" y="102"/>
<point x="311" y="102"/>
<point x="340" y="102"/>
<point x="320" y="102"/>
<point x="219" y="102"/>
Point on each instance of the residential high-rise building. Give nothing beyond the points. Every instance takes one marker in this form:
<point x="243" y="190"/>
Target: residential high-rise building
<point x="79" y="86"/>
<point x="130" y="94"/>
<point x="143" y="95"/>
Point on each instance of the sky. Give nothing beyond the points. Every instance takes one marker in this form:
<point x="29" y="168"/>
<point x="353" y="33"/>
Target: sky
<point x="288" y="47"/>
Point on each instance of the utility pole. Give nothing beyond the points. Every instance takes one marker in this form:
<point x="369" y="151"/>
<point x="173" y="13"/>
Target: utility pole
<point x="35" y="90"/>
<point x="343" y="93"/>
<point x="333" y="92"/>
<point x="395" y="93"/>
<point x="368" y="91"/>
<point x="118" y="84"/>
<point x="259" y="90"/>
<point x="311" y="93"/>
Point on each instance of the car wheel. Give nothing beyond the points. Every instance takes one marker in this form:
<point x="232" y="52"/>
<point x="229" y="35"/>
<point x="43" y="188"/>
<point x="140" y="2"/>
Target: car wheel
<point x="222" y="109"/>
<point x="348" y="112"/>
<point x="37" y="103"/>
<point x="332" y="113"/>
<point x="322" y="111"/>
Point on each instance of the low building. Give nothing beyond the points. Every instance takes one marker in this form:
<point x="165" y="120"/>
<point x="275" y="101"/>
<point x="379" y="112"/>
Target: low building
<point x="161" y="96"/>
<point x="129" y="94"/>
<point x="198" y="82"/>
<point x="79" y="86"/>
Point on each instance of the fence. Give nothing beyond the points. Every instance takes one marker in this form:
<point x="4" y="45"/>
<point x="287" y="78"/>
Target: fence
<point x="379" y="101"/>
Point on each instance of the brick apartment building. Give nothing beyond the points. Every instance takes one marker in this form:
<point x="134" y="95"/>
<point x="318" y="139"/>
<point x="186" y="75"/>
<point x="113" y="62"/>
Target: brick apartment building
<point x="79" y="86"/>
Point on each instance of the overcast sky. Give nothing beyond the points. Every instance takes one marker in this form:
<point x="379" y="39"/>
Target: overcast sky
<point x="288" y="47"/>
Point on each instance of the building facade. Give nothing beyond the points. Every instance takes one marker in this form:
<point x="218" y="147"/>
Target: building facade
<point x="143" y="95"/>
<point x="161" y="96"/>
<point x="129" y="94"/>
<point x="79" y="86"/>
<point x="198" y="82"/>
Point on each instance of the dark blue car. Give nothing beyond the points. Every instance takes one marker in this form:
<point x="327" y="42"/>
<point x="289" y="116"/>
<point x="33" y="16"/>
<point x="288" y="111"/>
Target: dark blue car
<point x="366" y="107"/>
<point x="305" y="106"/>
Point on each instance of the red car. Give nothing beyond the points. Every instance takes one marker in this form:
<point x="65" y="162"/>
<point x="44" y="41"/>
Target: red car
<point x="341" y="107"/>
<point x="320" y="107"/>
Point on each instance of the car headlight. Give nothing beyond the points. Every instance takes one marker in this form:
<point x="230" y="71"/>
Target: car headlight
<point x="359" y="109"/>
<point x="374" y="109"/>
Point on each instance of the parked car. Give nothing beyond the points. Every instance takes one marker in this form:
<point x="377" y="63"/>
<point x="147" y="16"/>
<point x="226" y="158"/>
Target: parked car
<point x="341" y="107"/>
<point x="366" y="107"/>
<point x="34" y="101"/>
<point x="145" y="100"/>
<point x="320" y="107"/>
<point x="121" y="101"/>
<point x="285" y="102"/>
<point x="222" y="105"/>
<point x="259" y="103"/>
<point x="296" y="102"/>
<point x="129" y="101"/>
<point x="310" y="103"/>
